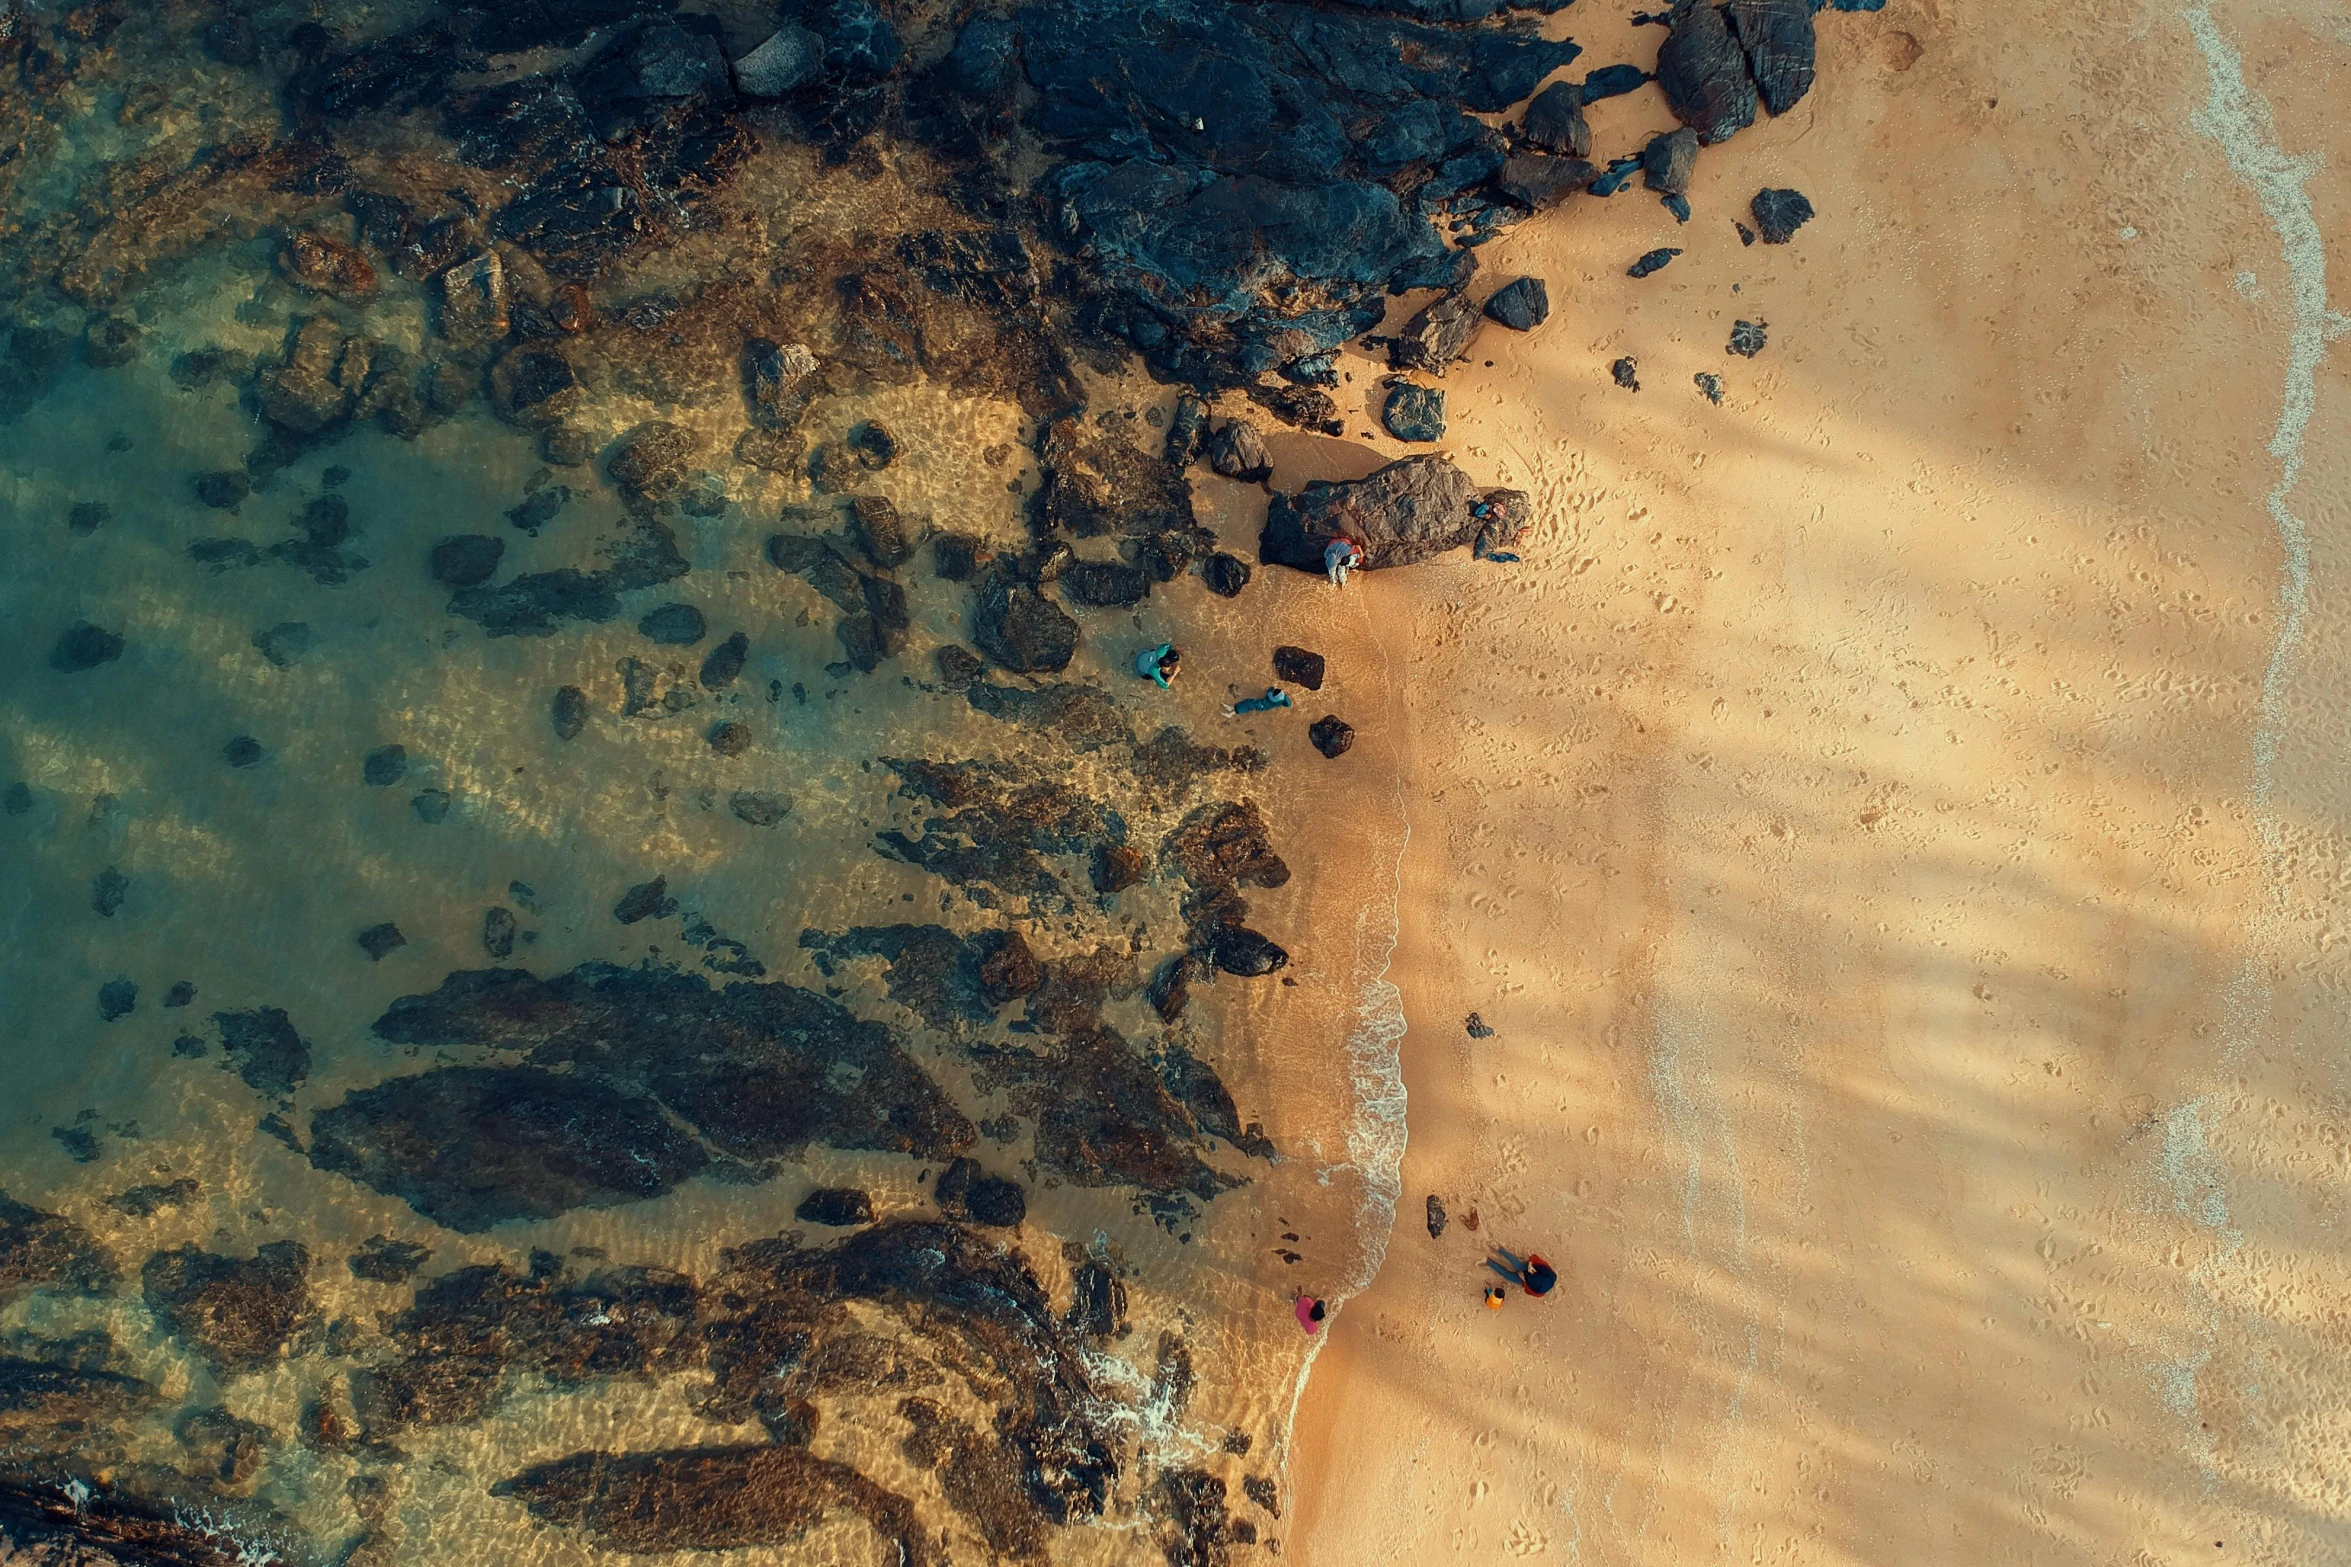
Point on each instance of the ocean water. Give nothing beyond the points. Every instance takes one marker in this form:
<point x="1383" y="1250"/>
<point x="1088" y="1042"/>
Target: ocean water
<point x="220" y="891"/>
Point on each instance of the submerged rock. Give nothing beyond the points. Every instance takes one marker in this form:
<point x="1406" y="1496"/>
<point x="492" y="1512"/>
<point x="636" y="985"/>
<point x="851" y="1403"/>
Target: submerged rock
<point x="236" y="1312"/>
<point x="711" y="1499"/>
<point x="836" y="1207"/>
<point x="82" y="646"/>
<point x="40" y="1250"/>
<point x="1406" y="512"/>
<point x="569" y="712"/>
<point x="465" y="560"/>
<point x="1021" y="629"/>
<point x="264" y="1049"/>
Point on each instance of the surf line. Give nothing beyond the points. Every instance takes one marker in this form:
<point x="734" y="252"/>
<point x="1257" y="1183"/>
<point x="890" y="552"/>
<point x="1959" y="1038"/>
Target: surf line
<point x="2237" y="118"/>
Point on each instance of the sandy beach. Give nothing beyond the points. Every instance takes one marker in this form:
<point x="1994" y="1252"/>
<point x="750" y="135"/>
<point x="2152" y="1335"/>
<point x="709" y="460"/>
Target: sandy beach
<point x="1890" y="822"/>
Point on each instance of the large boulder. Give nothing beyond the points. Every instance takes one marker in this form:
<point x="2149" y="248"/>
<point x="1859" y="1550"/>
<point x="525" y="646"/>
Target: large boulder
<point x="1668" y="161"/>
<point x="1435" y="337"/>
<point x="1704" y="74"/>
<point x="1405" y="513"/>
<point x="1521" y="304"/>
<point x="1021" y="629"/>
<point x="1554" y="121"/>
<point x="1777" y="38"/>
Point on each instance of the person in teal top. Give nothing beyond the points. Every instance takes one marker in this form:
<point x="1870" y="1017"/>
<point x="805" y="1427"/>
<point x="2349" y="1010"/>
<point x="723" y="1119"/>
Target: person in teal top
<point x="1274" y="697"/>
<point x="1159" y="663"/>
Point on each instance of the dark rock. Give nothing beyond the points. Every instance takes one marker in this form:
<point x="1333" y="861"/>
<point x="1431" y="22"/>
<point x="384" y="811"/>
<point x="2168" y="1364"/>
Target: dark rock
<point x="1117" y="866"/>
<point x="1237" y="451"/>
<point x="117" y="999"/>
<point x="470" y="1146"/>
<point x="1554" y="121"/>
<point x="1541" y="181"/>
<point x="569" y="712"/>
<point x="1105" y="584"/>
<point x="1239" y="950"/>
<point x="1408" y="511"/>
<point x="1008" y="970"/>
<point x="1298" y="667"/>
<point x="760" y="1070"/>
<point x="778" y="382"/>
<point x="1651" y="261"/>
<point x="1086" y="717"/>
<point x="566" y="445"/>
<point x="1021" y="629"/>
<point x="223" y="1449"/>
<point x="1612" y="81"/>
<point x="1477" y="1027"/>
<point x="1747" y="338"/>
<point x="1436" y="1216"/>
<point x="1709" y="386"/>
<point x="539" y="509"/>
<point x="1225" y="574"/>
<point x="466" y="559"/>
<point x="107" y="892"/>
<point x="1185" y="429"/>
<point x="959" y="666"/>
<point x="1436" y="336"/>
<point x="144" y="1202"/>
<point x="80" y="1143"/>
<point x="468" y="1328"/>
<point x="758" y="810"/>
<point x="647" y="900"/>
<point x="1221" y="845"/>
<point x="1332" y="735"/>
<point x="474" y="311"/>
<point x="1099" y="484"/>
<point x="533" y="385"/>
<point x="88" y="516"/>
<point x="1679" y="206"/>
<point x="880" y="532"/>
<point x="110" y="342"/>
<point x="1780" y="213"/>
<point x="1703" y="73"/>
<point x="181" y="994"/>
<point x="241" y="751"/>
<point x="710" y="1499"/>
<point x="238" y="1313"/>
<point x="1669" y="159"/>
<point x="83" y="646"/>
<point x="379" y="940"/>
<point x="1260" y="1489"/>
<point x="1302" y="406"/>
<point x="1777" y="38"/>
<point x="955" y="556"/>
<point x="264" y="1049"/>
<point x="431" y="806"/>
<point x="1626" y="374"/>
<point x="383" y="1260"/>
<point x="498" y="927"/>
<point x="317" y="384"/>
<point x="69" y="1414"/>
<point x="40" y="1250"/>
<point x="1413" y="412"/>
<point x="791" y="58"/>
<point x="836" y="1207"/>
<point x="224" y="554"/>
<point x="1521" y="304"/>
<point x="384" y="766"/>
<point x="725" y="662"/>
<point x="651" y="460"/>
<point x="996" y="1202"/>
<point x="284" y="644"/>
<point x="872" y="444"/>
<point x="327" y="266"/>
<point x="673" y="625"/>
<point x="730" y="738"/>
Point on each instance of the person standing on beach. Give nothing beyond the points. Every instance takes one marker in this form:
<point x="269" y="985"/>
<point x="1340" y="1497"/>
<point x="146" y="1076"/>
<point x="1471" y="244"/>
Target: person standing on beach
<point x="1338" y="556"/>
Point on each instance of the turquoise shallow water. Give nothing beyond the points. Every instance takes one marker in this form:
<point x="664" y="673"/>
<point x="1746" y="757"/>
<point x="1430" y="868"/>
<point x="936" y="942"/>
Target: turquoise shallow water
<point x="217" y="882"/>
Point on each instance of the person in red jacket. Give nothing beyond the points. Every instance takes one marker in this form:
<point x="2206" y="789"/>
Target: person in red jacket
<point x="1338" y="556"/>
<point x="1531" y="1274"/>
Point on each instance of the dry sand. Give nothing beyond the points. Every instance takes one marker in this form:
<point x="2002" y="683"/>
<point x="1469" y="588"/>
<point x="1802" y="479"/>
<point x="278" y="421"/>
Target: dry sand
<point x="1895" y="823"/>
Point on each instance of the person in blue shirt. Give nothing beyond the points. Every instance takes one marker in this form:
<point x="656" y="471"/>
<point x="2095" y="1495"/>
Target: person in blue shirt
<point x="1159" y="664"/>
<point x="1274" y="697"/>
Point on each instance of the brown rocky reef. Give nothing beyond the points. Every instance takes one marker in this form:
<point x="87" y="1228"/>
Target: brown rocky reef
<point x="608" y="1057"/>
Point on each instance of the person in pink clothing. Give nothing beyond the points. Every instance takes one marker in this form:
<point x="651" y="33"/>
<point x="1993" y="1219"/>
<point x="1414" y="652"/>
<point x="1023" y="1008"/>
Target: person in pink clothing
<point x="1310" y="1313"/>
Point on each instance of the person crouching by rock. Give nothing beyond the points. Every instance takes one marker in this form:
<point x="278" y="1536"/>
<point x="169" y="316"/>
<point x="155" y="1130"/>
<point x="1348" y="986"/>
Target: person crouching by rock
<point x="1159" y="664"/>
<point x="1338" y="557"/>
<point x="1531" y="1274"/>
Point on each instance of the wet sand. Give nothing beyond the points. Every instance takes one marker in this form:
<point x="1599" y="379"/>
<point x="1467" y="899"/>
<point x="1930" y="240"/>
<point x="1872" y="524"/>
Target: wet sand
<point x="1892" y="823"/>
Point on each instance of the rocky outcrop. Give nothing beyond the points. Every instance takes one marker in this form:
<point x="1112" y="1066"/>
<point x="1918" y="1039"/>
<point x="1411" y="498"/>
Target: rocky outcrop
<point x="1703" y="73"/>
<point x="235" y="1312"/>
<point x="1776" y="36"/>
<point x="1406" y="512"/>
